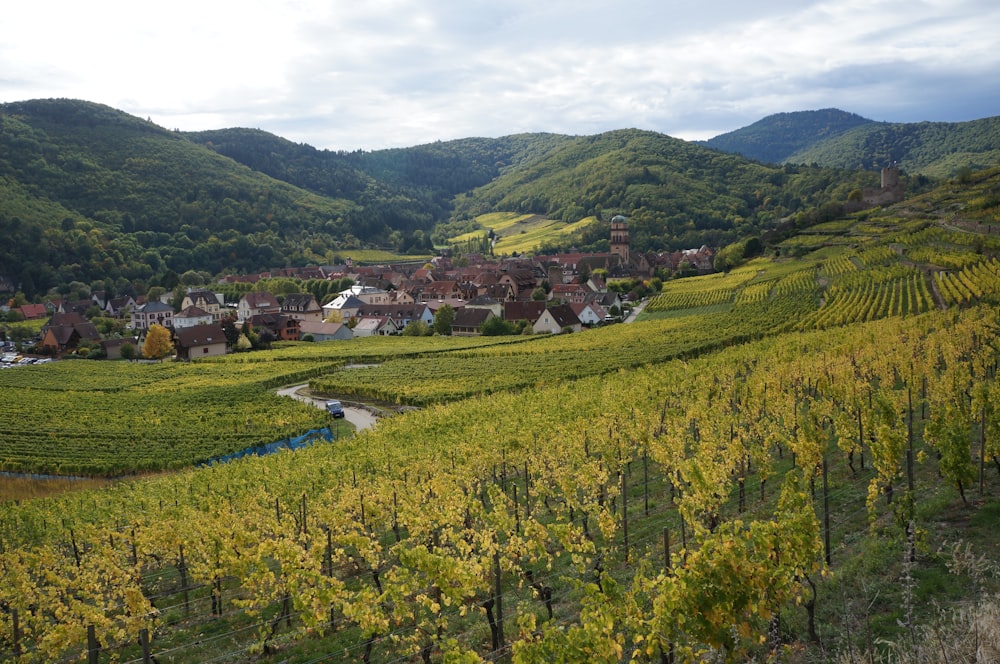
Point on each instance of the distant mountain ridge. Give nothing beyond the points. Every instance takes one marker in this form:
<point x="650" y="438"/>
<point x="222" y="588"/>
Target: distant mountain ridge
<point x="90" y="194"/>
<point x="777" y="137"/>
<point x="838" y="139"/>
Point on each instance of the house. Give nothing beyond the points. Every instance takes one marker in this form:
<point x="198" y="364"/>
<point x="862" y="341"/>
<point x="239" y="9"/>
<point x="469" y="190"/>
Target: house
<point x="283" y="327"/>
<point x="607" y="300"/>
<point x="486" y="302"/>
<point x="521" y="280"/>
<point x="435" y="305"/>
<point x="596" y="284"/>
<point x="76" y="306"/>
<point x="571" y="293"/>
<point x="497" y="291"/>
<point x="376" y="326"/>
<point x="346" y="308"/>
<point x="256" y="304"/>
<point x="117" y="307"/>
<point x="441" y="290"/>
<point x="528" y="310"/>
<point x="325" y="331"/>
<point x="206" y="301"/>
<point x="192" y="316"/>
<point x="33" y="311"/>
<point x="556" y="319"/>
<point x="402" y="297"/>
<point x="99" y="298"/>
<point x="367" y="294"/>
<point x="468" y="321"/>
<point x="65" y="331"/>
<point x="402" y="314"/>
<point x="589" y="313"/>
<point x="200" y="341"/>
<point x="302" y="307"/>
<point x="152" y="312"/>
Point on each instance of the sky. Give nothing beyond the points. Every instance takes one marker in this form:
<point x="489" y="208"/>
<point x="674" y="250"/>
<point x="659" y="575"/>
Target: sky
<point x="373" y="74"/>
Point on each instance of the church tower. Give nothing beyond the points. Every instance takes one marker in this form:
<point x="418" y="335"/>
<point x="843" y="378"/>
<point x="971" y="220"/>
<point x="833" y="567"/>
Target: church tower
<point x="619" y="237"/>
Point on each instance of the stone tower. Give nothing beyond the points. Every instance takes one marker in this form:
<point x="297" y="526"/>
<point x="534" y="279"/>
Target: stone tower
<point x="619" y="237"/>
<point x="890" y="177"/>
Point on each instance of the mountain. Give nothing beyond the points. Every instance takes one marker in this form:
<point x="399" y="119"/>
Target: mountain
<point x="777" y="137"/>
<point x="934" y="149"/>
<point x="92" y="195"/>
<point x="676" y="194"/>
<point x="410" y="188"/>
<point x="837" y="139"/>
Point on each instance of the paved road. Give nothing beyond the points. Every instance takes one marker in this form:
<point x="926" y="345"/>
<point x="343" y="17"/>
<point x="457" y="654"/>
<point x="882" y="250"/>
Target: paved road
<point x="359" y="417"/>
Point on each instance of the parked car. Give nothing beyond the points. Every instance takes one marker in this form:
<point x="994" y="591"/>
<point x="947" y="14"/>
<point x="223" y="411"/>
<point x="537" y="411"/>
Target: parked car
<point x="335" y="408"/>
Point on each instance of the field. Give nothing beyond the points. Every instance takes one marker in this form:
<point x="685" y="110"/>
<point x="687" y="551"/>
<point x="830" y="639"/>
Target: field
<point x="794" y="461"/>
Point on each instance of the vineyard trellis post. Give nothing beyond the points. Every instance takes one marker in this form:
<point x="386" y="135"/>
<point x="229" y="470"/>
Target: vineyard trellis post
<point x="16" y="625"/>
<point x="982" y="451"/>
<point x="93" y="647"/>
<point x="826" y="514"/>
<point x="624" y="514"/>
<point x="147" y="657"/>
<point x="498" y="599"/>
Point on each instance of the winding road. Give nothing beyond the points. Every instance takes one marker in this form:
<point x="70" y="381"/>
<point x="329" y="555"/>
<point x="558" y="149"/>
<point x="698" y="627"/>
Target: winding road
<point x="359" y="417"/>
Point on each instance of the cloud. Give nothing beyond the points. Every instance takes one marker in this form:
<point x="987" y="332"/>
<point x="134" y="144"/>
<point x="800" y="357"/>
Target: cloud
<point x="401" y="72"/>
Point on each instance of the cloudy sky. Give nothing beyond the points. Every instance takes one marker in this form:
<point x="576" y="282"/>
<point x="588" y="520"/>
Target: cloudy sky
<point x="370" y="74"/>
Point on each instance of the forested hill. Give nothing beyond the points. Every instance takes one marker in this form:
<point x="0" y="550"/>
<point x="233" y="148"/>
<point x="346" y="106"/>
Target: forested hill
<point x="412" y="187"/>
<point x="93" y="195"/>
<point x="837" y="139"/>
<point x="90" y="194"/>
<point x="777" y="137"/>
<point x="676" y="194"/>
<point x="934" y="149"/>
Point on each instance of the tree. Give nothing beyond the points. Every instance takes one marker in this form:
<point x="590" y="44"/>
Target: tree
<point x="155" y="293"/>
<point x="265" y="337"/>
<point x="497" y="327"/>
<point x="157" y="344"/>
<point x="128" y="352"/>
<point x="443" y="318"/>
<point x="232" y="332"/>
<point x="417" y="328"/>
<point x="539" y="294"/>
<point x="192" y="278"/>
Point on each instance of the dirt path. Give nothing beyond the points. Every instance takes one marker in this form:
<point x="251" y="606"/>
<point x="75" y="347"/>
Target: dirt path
<point x="361" y="418"/>
<point x="936" y="293"/>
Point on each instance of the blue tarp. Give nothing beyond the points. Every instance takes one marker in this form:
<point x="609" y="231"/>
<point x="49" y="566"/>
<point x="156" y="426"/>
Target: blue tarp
<point x="297" y="443"/>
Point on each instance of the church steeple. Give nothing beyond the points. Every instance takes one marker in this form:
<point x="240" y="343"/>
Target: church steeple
<point x="619" y="237"/>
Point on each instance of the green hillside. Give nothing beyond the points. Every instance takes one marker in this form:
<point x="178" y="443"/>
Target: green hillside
<point x="795" y="460"/>
<point x="934" y="149"/>
<point x="94" y="195"/>
<point x="775" y="138"/>
<point x="836" y="139"/>
<point x="676" y="194"/>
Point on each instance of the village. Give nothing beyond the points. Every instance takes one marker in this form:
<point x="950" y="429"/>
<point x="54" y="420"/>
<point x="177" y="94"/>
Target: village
<point x="548" y="294"/>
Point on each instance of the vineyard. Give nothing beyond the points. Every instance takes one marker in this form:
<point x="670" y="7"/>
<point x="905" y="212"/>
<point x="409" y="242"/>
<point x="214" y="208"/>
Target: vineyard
<point x="87" y="418"/>
<point x="627" y="532"/>
<point x="796" y="461"/>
